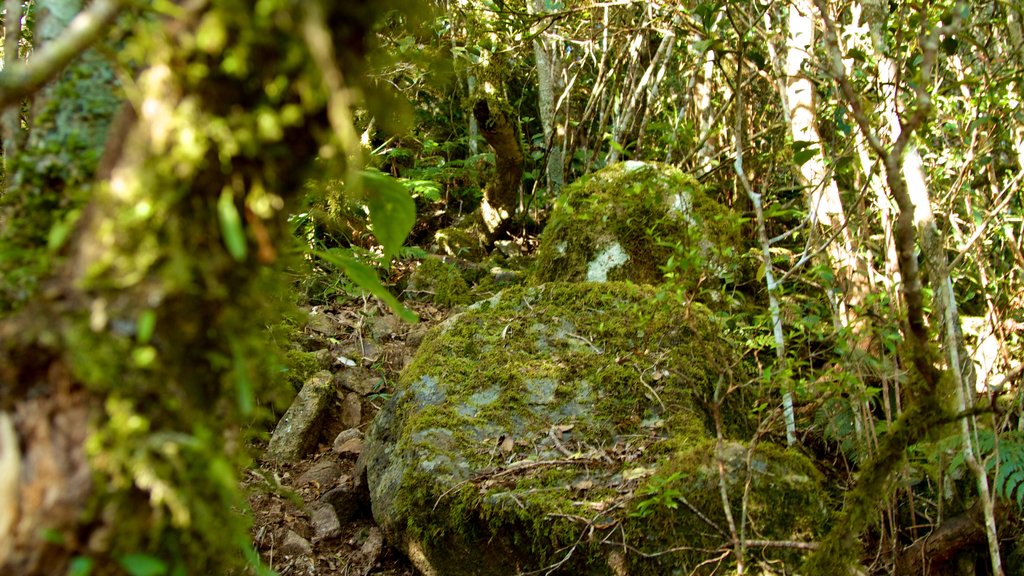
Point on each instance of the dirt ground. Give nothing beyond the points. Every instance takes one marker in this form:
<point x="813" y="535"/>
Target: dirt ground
<point x="292" y="503"/>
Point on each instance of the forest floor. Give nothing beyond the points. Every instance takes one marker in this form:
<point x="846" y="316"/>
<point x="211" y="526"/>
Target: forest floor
<point x="287" y="531"/>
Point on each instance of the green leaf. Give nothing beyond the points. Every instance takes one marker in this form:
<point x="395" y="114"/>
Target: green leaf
<point x="425" y="188"/>
<point x="392" y="211"/>
<point x="80" y="566"/>
<point x="366" y="278"/>
<point x="144" y="356"/>
<point x="143" y="565"/>
<point x="231" y="225"/>
<point x="801" y="157"/>
<point x="145" y="326"/>
<point x="60" y="230"/>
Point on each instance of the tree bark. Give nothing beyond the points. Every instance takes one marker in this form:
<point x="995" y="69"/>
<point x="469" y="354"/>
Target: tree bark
<point x="548" y="70"/>
<point x="932" y="554"/>
<point x="501" y="196"/>
<point x="823" y="200"/>
<point x="131" y="376"/>
<point x="12" y="116"/>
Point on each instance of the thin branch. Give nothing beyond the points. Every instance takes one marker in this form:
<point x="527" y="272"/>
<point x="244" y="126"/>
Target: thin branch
<point x="22" y="80"/>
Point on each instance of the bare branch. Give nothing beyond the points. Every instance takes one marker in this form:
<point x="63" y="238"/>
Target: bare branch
<point x="21" y="80"/>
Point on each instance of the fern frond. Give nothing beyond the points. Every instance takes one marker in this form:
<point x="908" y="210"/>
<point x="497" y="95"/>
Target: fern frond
<point x="1009" y="481"/>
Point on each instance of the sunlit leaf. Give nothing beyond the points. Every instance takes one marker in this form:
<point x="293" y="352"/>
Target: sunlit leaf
<point x="392" y="211"/>
<point x="145" y="326"/>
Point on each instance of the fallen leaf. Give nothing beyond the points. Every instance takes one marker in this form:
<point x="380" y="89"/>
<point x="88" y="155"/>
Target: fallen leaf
<point x="583" y="485"/>
<point x="507" y="444"/>
<point x="637" y="473"/>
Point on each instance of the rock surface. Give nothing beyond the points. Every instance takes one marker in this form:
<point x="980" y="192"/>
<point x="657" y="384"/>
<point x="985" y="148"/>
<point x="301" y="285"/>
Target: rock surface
<point x="295" y="545"/>
<point x="573" y="426"/>
<point x="324" y="521"/>
<point x="297" y="431"/>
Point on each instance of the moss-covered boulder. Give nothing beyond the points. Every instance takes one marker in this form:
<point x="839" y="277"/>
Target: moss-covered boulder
<point x="439" y="282"/>
<point x="572" y="425"/>
<point x="639" y="221"/>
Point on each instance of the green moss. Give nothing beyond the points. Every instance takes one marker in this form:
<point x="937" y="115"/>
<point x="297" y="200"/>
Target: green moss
<point x="442" y="281"/>
<point x="777" y="493"/>
<point x="659" y="217"/>
<point x="299" y="366"/>
<point x="459" y="243"/>
<point x="615" y="363"/>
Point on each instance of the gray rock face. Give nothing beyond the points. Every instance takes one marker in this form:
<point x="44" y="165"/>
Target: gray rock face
<point x="324" y="473"/>
<point x="296" y="433"/>
<point x="324" y="521"/>
<point x="567" y="424"/>
<point x="295" y="545"/>
<point x="348" y="500"/>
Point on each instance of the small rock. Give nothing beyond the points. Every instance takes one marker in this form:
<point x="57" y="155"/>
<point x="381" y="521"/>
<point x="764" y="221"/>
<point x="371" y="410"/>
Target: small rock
<point x="502" y="276"/>
<point x="348" y="502"/>
<point x="325" y="473"/>
<point x="415" y="336"/>
<point x="349" y="442"/>
<point x="359" y="380"/>
<point x="324" y="521"/>
<point x="296" y="432"/>
<point x="323" y="323"/>
<point x="324" y="358"/>
<point x="295" y="545"/>
<point x="373" y="546"/>
<point x="366" y="350"/>
<point x="352" y="410"/>
<point x="383" y="327"/>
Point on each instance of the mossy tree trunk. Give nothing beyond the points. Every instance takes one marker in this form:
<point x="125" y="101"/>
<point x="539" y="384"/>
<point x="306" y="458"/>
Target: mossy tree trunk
<point x="500" y="128"/>
<point x="129" y="378"/>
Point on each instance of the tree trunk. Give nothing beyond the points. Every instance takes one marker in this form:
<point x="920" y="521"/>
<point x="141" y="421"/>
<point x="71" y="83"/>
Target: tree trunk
<point x="501" y="196"/>
<point x="548" y="71"/>
<point x="823" y="201"/>
<point x="133" y="377"/>
<point x="11" y="119"/>
<point x="933" y="554"/>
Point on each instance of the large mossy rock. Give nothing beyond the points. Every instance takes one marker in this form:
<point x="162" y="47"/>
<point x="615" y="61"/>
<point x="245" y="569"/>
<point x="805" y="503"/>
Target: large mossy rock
<point x="572" y="425"/>
<point x="639" y="221"/>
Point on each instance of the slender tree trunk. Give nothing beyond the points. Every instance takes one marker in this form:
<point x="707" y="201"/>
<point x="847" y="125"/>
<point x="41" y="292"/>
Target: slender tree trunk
<point x="12" y="116"/>
<point x="924" y="411"/>
<point x="824" y="203"/>
<point x="500" y="128"/>
<point x="549" y="69"/>
<point x="631" y="103"/>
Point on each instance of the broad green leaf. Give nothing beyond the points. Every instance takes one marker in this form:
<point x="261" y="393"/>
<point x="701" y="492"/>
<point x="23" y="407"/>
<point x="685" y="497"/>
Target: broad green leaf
<point x="366" y="278"/>
<point x="60" y="230"/>
<point x="392" y="211"/>
<point x="143" y="565"/>
<point x="231" y="225"/>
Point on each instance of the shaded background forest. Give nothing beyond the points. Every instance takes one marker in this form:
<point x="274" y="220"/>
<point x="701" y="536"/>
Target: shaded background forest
<point x="177" y="177"/>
